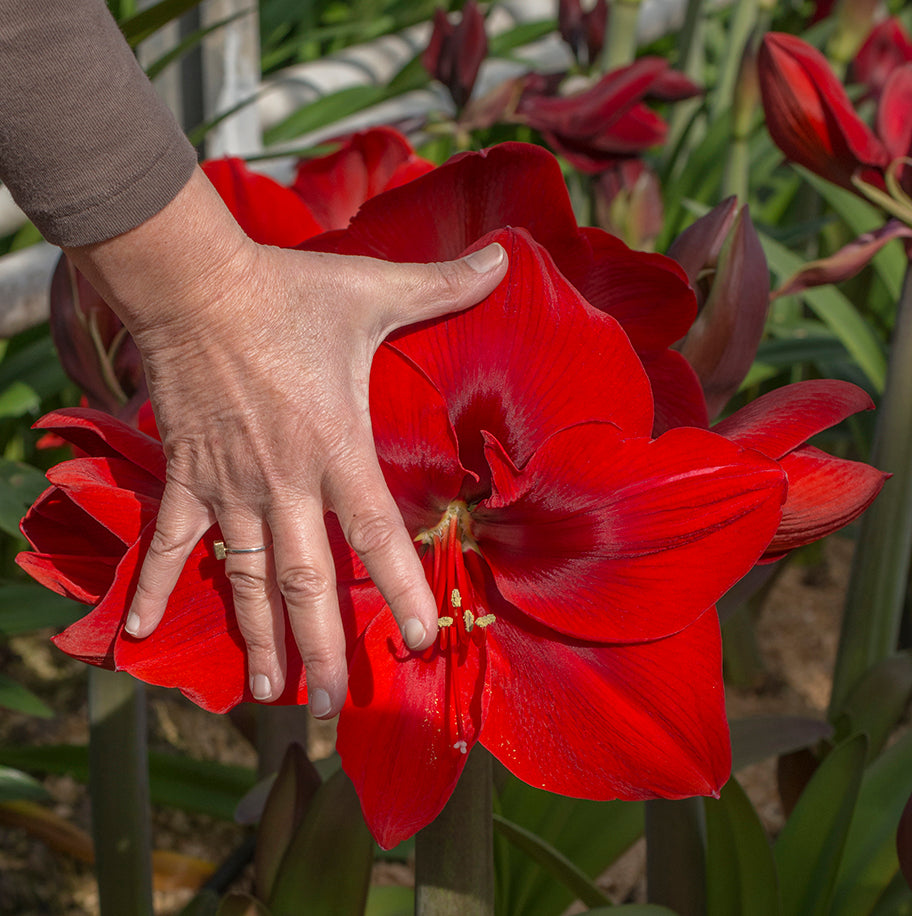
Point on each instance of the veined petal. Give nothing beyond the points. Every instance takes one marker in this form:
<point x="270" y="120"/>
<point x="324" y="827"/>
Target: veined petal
<point x="648" y="294"/>
<point x="500" y="390"/>
<point x="197" y="647"/>
<point x="396" y="733"/>
<point x="629" y="722"/>
<point x="415" y="442"/>
<point x="268" y="212"/>
<point x="824" y="495"/>
<point x="632" y="541"/>
<point x="103" y="436"/>
<point x="56" y="525"/>
<point x="438" y="216"/>
<point x="783" y="419"/>
<point x="80" y="577"/>
<point x="116" y="493"/>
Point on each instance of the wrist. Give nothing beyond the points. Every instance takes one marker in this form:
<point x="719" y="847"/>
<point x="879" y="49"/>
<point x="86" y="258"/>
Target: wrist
<point x="162" y="275"/>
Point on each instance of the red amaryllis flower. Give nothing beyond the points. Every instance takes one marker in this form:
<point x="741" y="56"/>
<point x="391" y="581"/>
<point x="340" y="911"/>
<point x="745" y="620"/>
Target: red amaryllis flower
<point x="593" y="128"/>
<point x="887" y="47"/>
<point x="456" y="51"/>
<point x="437" y="216"/>
<point x="576" y="561"/>
<point x="326" y="191"/>
<point x="810" y="117"/>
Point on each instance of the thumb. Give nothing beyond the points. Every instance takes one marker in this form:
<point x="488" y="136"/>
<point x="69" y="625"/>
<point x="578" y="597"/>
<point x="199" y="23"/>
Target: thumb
<point x="432" y="290"/>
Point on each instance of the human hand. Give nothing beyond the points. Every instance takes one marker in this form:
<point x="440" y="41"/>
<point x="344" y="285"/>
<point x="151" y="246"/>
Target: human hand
<point x="258" y="361"/>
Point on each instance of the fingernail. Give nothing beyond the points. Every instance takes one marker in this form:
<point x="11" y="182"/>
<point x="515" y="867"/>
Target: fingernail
<point x="261" y="688"/>
<point x="413" y="632"/>
<point x="132" y="624"/>
<point x="486" y="259"/>
<point x="320" y="704"/>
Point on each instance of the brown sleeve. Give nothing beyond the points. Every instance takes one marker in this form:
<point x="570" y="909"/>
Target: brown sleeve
<point x="86" y="147"/>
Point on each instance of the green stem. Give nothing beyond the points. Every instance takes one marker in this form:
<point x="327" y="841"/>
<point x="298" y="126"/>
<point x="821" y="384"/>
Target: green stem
<point x="880" y="566"/>
<point x="621" y="46"/>
<point x="691" y="60"/>
<point x="676" y="855"/>
<point x="454" y="855"/>
<point x="119" y="790"/>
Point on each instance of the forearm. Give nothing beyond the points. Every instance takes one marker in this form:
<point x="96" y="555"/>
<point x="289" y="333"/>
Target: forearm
<point x="86" y="147"/>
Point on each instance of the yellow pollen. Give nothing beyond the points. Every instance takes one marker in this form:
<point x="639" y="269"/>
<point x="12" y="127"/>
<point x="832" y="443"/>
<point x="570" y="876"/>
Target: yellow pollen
<point x="456" y="598"/>
<point x="485" y="620"/>
<point x="469" y="620"/>
<point x="444" y="621"/>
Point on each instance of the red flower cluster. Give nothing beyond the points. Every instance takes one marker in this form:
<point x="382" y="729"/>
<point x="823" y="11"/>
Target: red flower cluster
<point x="575" y="558"/>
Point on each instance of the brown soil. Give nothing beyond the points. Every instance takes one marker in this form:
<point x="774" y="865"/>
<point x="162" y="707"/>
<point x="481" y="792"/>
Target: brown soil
<point x="797" y="633"/>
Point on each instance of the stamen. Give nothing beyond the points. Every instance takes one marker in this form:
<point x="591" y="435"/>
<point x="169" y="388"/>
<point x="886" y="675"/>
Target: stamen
<point x="455" y="598"/>
<point x="445" y="621"/>
<point x="485" y="620"/>
<point x="462" y="747"/>
<point x="468" y="619"/>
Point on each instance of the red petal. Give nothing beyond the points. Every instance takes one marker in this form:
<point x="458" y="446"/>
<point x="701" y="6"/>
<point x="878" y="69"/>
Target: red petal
<point x="101" y="435"/>
<point x="82" y="578"/>
<point x="415" y="442"/>
<point x="117" y="494"/>
<point x="893" y="122"/>
<point x="436" y="217"/>
<point x="334" y="187"/>
<point x="268" y="212"/>
<point x="677" y="392"/>
<point x="197" y="646"/>
<point x="396" y="736"/>
<point x="824" y="495"/>
<point x="522" y="401"/>
<point x="55" y="524"/>
<point x="783" y="419"/>
<point x="626" y="722"/>
<point x="648" y="294"/>
<point x="625" y="540"/>
<point x="809" y="114"/>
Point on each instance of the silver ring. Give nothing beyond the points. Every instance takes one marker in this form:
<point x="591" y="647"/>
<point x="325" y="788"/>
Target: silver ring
<point x="222" y="551"/>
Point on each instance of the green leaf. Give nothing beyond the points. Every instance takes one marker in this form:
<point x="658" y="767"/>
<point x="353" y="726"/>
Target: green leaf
<point x="869" y="862"/>
<point x="203" y="786"/>
<point x="877" y="702"/>
<point x="16" y="697"/>
<point x="144" y="24"/>
<point x="19" y="399"/>
<point x="323" y="111"/>
<point x="187" y="44"/>
<point x="809" y="848"/>
<point x="836" y="312"/>
<point x="589" y="834"/>
<point x="896" y="900"/>
<point x="740" y="869"/>
<point x="328" y="863"/>
<point x="34" y="363"/>
<point x="16" y="786"/>
<point x="26" y="607"/>
<point x="522" y="34"/>
<point x="553" y="861"/>
<point x="20" y="486"/>
<point x="390" y="900"/>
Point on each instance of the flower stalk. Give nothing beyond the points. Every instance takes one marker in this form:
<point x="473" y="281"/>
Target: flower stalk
<point x="676" y="855"/>
<point x="620" y="48"/>
<point x="880" y="566"/>
<point x="119" y="790"/>
<point x="454" y="854"/>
